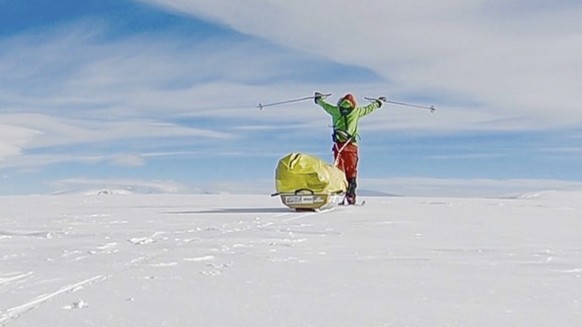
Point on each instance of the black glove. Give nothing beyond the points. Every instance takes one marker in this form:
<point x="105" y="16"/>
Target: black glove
<point x="317" y="97"/>
<point x="381" y="101"/>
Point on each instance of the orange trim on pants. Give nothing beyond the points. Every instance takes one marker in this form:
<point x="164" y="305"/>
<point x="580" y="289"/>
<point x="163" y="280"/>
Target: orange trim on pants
<point x="348" y="158"/>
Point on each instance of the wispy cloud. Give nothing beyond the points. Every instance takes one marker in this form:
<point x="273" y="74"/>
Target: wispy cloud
<point x="517" y="59"/>
<point x="13" y="139"/>
<point x="36" y="132"/>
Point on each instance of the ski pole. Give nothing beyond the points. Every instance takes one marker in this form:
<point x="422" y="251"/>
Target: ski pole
<point x="261" y="105"/>
<point x="431" y="107"/>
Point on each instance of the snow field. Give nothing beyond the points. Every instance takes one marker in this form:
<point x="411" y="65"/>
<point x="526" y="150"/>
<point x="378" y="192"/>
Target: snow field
<point x="233" y="260"/>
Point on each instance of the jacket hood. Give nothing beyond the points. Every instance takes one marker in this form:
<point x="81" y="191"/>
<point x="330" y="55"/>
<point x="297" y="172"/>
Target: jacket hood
<point x="346" y="101"/>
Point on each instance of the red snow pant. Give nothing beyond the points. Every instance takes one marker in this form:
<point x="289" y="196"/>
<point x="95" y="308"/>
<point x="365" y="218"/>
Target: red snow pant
<point x="346" y="159"/>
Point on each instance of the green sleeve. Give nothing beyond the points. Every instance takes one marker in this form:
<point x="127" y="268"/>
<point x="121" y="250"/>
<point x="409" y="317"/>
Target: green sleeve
<point x="329" y="108"/>
<point x="366" y="110"/>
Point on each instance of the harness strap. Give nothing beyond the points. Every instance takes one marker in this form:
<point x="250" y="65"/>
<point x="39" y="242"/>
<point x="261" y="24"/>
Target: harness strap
<point x="341" y="136"/>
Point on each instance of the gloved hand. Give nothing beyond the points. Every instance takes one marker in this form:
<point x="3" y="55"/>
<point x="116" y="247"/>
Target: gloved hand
<point x="381" y="101"/>
<point x="317" y="97"/>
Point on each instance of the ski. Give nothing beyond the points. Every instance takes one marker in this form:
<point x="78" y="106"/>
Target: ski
<point x="357" y="204"/>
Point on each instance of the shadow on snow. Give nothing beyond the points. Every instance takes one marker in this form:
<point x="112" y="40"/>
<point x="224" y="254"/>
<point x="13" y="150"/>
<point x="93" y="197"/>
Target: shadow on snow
<point x="231" y="210"/>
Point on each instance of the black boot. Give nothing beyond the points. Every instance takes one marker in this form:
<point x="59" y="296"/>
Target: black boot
<point x="351" y="193"/>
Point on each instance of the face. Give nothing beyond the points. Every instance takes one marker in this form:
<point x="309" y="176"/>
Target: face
<point x="345" y="105"/>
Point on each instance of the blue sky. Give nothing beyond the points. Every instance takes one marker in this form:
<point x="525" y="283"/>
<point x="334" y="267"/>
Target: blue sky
<point x="161" y="95"/>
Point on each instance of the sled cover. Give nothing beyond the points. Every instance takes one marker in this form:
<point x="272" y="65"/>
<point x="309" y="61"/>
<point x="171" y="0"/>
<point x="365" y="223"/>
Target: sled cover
<point x="298" y="172"/>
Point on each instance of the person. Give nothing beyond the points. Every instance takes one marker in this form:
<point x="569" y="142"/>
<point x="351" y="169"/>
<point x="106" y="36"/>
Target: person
<point x="345" y="116"/>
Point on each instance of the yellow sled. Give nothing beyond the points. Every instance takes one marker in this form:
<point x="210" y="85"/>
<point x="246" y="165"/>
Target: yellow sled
<point x="306" y="182"/>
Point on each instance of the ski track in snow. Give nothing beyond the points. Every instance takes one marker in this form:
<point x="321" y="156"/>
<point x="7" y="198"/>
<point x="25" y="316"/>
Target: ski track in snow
<point x="11" y="234"/>
<point x="11" y="278"/>
<point x="17" y="311"/>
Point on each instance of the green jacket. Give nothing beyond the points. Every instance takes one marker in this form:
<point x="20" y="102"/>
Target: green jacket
<point x="347" y="123"/>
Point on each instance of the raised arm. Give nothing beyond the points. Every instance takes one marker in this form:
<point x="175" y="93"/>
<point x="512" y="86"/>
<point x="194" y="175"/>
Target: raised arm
<point x="377" y="104"/>
<point x="328" y="107"/>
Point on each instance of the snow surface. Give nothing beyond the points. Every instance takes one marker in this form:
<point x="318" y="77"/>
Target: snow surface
<point x="232" y="260"/>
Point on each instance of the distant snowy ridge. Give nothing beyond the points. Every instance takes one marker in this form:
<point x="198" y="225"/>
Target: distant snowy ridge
<point x="97" y="192"/>
<point x="537" y="195"/>
<point x="82" y="186"/>
<point x="109" y="192"/>
<point x="552" y="195"/>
